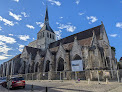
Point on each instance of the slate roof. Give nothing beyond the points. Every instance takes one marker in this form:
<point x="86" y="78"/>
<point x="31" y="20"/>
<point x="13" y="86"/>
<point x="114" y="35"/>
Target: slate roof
<point x="84" y="38"/>
<point x="17" y="56"/>
<point x="33" y="51"/>
<point x="46" y="27"/>
<point x="46" y="15"/>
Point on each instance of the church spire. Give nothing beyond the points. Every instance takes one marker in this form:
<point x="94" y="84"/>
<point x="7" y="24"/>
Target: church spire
<point x="46" y="16"/>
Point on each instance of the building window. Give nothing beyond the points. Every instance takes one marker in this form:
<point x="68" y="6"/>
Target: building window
<point x="48" y="35"/>
<point x="53" y="36"/>
<point x="43" y="34"/>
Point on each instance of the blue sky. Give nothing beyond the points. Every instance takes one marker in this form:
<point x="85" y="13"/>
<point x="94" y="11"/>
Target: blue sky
<point x="20" y="20"/>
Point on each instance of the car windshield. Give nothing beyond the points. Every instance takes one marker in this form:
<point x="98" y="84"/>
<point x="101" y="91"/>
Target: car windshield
<point x="17" y="78"/>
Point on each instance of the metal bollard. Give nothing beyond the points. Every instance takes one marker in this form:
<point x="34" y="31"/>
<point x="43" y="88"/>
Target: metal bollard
<point x="46" y="89"/>
<point x="32" y="87"/>
<point x="106" y="80"/>
<point x="88" y="80"/>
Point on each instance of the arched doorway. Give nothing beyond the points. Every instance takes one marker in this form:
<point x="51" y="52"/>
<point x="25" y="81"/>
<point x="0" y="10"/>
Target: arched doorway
<point x="60" y="64"/>
<point x="47" y="68"/>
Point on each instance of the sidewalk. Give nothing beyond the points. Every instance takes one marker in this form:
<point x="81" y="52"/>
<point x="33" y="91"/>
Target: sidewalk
<point x="82" y="86"/>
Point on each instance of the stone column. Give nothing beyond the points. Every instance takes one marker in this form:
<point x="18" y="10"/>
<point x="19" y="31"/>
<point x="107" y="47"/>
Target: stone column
<point x="7" y="69"/>
<point x="3" y="70"/>
<point x="67" y="65"/>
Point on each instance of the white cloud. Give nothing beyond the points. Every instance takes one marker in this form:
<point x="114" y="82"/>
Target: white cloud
<point x="6" y="22"/>
<point x="113" y="35"/>
<point x="77" y="2"/>
<point x="4" y="51"/>
<point x="61" y="17"/>
<point x="119" y="24"/>
<point x="92" y="19"/>
<point x="40" y="24"/>
<point x="16" y="1"/>
<point x="30" y="26"/>
<point x="10" y="34"/>
<point x="6" y="39"/>
<point x="58" y="34"/>
<point x="21" y="47"/>
<point x="80" y="13"/>
<point x="16" y="17"/>
<point x="24" y="37"/>
<point x="55" y="2"/>
<point x="57" y="23"/>
<point x="24" y="14"/>
<point x="68" y="27"/>
<point x="0" y="28"/>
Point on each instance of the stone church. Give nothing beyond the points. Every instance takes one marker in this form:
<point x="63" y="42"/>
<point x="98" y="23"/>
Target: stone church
<point x="46" y="55"/>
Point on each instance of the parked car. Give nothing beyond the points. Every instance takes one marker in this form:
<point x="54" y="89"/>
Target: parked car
<point x="3" y="81"/>
<point x="15" y="82"/>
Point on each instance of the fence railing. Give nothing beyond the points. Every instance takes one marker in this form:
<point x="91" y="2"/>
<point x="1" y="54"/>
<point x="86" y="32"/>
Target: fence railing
<point x="100" y="75"/>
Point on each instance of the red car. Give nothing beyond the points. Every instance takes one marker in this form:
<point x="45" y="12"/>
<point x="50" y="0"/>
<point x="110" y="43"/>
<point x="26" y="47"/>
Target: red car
<point x="15" y="82"/>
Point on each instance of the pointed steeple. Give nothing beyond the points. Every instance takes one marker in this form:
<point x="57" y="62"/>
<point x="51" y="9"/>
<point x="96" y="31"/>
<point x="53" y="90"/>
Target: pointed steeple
<point x="46" y="16"/>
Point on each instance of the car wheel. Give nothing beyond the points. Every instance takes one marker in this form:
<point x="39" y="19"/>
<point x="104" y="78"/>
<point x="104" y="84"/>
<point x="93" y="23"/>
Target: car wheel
<point x="23" y="86"/>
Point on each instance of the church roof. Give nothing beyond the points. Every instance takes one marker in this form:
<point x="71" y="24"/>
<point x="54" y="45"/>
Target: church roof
<point x="46" y="27"/>
<point x="33" y="51"/>
<point x="84" y="38"/>
<point x="15" y="57"/>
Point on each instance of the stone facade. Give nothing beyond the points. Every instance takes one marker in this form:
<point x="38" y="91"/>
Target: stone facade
<point x="49" y="57"/>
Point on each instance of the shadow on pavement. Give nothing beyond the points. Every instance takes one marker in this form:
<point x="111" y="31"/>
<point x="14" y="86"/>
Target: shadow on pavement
<point x="74" y="90"/>
<point x="28" y="88"/>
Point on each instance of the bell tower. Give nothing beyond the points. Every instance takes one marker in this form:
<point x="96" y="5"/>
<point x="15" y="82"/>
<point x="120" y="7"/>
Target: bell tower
<point x="46" y="35"/>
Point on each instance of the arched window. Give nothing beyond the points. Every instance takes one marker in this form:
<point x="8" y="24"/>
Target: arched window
<point x="43" y="34"/>
<point x="10" y="69"/>
<point x="36" y="67"/>
<point x="48" y="35"/>
<point x="60" y="65"/>
<point x="53" y="36"/>
<point x="47" y="68"/>
<point x="77" y="57"/>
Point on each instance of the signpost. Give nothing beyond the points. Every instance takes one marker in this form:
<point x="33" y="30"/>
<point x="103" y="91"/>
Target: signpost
<point x="76" y="67"/>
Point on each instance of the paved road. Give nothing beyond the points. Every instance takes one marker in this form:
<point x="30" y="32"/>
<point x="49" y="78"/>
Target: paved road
<point x="28" y="88"/>
<point x="68" y="86"/>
